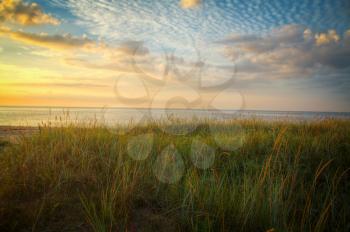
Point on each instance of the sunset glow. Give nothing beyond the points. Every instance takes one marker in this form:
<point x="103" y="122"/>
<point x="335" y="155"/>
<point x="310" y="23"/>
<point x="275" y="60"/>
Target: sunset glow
<point x="285" y="56"/>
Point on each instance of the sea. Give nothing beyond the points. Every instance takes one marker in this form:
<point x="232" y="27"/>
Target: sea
<point x="34" y="116"/>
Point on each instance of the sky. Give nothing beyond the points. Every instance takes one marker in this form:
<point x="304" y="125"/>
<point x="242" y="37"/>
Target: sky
<point x="253" y="54"/>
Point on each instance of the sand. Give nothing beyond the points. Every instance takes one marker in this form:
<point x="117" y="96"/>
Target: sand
<point x="12" y="133"/>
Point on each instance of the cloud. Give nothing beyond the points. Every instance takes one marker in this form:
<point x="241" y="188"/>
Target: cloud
<point x="122" y="58"/>
<point x="186" y="4"/>
<point x="133" y="47"/>
<point x="24" y="13"/>
<point x="117" y="65"/>
<point x="332" y="55"/>
<point x="84" y="52"/>
<point x="308" y="34"/>
<point x="325" y="38"/>
<point x="57" y="42"/>
<point x="288" y="34"/>
<point x="127" y="49"/>
<point x="68" y="42"/>
<point x="347" y="35"/>
<point x="288" y="51"/>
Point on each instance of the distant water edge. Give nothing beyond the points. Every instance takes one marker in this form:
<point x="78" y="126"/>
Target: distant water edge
<point x="33" y="116"/>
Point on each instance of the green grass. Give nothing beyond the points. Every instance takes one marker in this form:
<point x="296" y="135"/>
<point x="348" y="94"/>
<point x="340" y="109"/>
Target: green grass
<point x="245" y="175"/>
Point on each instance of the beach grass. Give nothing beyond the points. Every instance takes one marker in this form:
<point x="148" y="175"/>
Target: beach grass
<point x="189" y="175"/>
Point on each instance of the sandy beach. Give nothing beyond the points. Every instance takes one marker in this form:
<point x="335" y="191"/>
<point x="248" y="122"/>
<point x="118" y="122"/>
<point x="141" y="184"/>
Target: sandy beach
<point x="12" y="133"/>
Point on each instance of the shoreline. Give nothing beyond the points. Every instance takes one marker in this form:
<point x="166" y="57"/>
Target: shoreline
<point x="11" y="133"/>
<point x="10" y="130"/>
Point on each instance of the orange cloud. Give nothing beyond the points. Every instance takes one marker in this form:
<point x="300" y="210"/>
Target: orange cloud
<point x="24" y="13"/>
<point x="347" y="34"/>
<point x="186" y="4"/>
<point x="60" y="42"/>
<point x="325" y="38"/>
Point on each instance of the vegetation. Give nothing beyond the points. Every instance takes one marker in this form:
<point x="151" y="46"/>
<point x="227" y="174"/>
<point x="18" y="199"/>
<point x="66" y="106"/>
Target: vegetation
<point x="234" y="175"/>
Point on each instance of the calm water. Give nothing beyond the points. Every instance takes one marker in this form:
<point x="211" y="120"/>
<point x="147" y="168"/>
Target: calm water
<point x="32" y="116"/>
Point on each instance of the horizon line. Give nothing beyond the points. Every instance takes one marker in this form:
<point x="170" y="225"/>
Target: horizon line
<point x="155" y="108"/>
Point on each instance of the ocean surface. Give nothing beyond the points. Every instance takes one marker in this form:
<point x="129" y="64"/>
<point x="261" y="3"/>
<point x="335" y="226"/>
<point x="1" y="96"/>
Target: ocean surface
<point x="33" y="116"/>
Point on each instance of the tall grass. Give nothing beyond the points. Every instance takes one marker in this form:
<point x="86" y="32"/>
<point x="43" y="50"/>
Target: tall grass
<point x="272" y="176"/>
